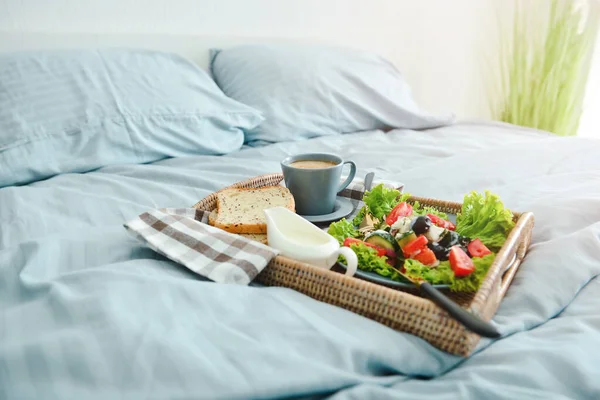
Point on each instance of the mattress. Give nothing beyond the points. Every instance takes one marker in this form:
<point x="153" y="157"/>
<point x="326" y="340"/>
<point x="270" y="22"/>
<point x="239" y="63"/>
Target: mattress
<point x="88" y="312"/>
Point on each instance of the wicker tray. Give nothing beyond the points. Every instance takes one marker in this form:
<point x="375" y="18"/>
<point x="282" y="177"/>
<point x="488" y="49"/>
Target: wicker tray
<point x="400" y="310"/>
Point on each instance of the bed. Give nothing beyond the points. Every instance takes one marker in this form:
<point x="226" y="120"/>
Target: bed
<point x="88" y="312"/>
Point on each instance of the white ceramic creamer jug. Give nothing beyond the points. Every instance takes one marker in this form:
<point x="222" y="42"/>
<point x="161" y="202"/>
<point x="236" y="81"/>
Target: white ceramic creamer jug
<point x="300" y="240"/>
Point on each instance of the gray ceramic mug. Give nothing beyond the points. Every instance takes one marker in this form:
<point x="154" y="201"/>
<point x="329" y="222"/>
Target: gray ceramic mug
<point x="314" y="181"/>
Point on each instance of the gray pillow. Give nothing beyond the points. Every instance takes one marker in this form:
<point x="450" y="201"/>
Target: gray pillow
<point x="74" y="111"/>
<point x="306" y="91"/>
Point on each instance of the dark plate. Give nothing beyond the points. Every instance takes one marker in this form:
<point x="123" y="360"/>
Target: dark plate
<point x="382" y="280"/>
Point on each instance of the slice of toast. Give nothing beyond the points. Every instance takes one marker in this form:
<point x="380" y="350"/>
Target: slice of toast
<point x="241" y="210"/>
<point x="259" y="237"/>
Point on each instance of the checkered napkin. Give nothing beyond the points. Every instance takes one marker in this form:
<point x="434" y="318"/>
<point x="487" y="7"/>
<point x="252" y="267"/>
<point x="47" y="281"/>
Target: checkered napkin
<point x="184" y="236"/>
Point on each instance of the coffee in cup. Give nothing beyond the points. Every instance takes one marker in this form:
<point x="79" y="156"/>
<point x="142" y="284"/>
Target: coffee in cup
<point x="312" y="164"/>
<point x="314" y="181"/>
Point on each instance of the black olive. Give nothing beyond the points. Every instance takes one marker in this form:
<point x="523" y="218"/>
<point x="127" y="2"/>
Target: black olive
<point x="441" y="253"/>
<point x="464" y="241"/>
<point x="450" y="239"/>
<point x="420" y="225"/>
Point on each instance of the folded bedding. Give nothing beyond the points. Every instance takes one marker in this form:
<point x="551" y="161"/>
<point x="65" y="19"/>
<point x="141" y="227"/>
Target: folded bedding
<point x="87" y="311"/>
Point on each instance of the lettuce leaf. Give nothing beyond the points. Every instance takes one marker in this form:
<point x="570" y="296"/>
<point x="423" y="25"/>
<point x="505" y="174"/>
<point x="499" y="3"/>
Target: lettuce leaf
<point x="483" y="216"/>
<point x="404" y="197"/>
<point x="342" y="229"/>
<point x="424" y="210"/>
<point x="360" y="216"/>
<point x="443" y="274"/>
<point x="380" y="200"/>
<point x="369" y="261"/>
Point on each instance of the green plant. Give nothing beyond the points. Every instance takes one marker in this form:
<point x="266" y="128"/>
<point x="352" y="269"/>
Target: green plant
<point x="544" y="61"/>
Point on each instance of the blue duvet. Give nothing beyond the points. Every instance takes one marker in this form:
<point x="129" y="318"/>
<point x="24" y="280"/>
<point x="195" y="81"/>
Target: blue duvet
<point x="86" y="312"/>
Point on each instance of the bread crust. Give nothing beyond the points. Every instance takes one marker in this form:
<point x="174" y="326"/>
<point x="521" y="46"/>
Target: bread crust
<point x="212" y="217"/>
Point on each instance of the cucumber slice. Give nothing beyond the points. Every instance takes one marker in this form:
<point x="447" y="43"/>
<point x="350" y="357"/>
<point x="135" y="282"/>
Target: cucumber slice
<point x="382" y="239"/>
<point x="405" y="238"/>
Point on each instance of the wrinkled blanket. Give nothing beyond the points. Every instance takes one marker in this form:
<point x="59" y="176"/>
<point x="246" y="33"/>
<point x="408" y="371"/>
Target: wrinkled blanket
<point x="88" y="312"/>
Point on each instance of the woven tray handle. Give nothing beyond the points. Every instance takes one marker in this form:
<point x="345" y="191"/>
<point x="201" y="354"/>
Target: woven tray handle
<point x="519" y="255"/>
<point x="507" y="262"/>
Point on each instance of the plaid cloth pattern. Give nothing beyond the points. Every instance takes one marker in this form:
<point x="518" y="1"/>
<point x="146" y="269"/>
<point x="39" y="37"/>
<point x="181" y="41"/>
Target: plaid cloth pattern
<point x="184" y="236"/>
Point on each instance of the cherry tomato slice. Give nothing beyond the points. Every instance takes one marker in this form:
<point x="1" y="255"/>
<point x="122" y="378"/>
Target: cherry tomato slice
<point x="426" y="257"/>
<point x="412" y="247"/>
<point x="434" y="218"/>
<point x="442" y="223"/>
<point x="478" y="249"/>
<point x="401" y="210"/>
<point x="380" y="251"/>
<point x="449" y="225"/>
<point x="460" y="262"/>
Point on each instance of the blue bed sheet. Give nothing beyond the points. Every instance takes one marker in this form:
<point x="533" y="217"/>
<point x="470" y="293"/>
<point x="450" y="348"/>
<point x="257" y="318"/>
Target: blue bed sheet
<point x="87" y="312"/>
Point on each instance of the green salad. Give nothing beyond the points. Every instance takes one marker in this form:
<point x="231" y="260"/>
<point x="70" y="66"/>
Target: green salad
<point x="391" y="233"/>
